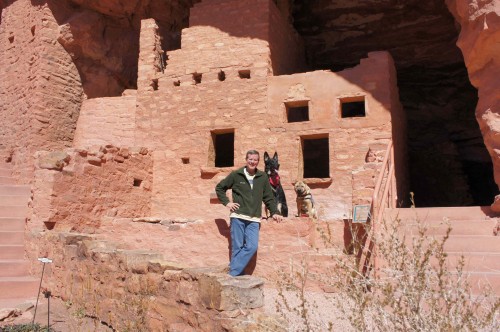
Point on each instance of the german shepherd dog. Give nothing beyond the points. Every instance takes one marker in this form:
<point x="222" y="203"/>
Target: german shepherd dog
<point x="272" y="167"/>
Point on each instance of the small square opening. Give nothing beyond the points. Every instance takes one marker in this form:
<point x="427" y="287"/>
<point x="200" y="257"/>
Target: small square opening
<point x="137" y="182"/>
<point x="177" y="83"/>
<point x="222" y="76"/>
<point x="197" y="78"/>
<point x="244" y="74"/>
<point x="353" y="107"/>
<point x="154" y="84"/>
<point x="223" y="148"/>
<point x="11" y="39"/>
<point x="185" y="160"/>
<point x="297" y="111"/>
<point x="316" y="157"/>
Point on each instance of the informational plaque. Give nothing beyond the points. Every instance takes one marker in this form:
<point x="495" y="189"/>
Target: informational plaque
<point x="361" y="213"/>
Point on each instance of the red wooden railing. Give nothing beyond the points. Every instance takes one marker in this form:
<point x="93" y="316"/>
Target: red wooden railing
<point x="384" y="195"/>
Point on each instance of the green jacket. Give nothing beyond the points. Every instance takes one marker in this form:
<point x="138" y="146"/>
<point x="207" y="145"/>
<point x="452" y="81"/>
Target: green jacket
<point x="250" y="200"/>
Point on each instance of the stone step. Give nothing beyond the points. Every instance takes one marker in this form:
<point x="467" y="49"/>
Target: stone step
<point x="12" y="224"/>
<point x="14" y="199"/>
<point x="16" y="211"/>
<point x="468" y="243"/>
<point x="476" y="262"/>
<point x="473" y="243"/>
<point x="458" y="227"/>
<point x="440" y="213"/>
<point x="11" y="252"/>
<point x="481" y="281"/>
<point x="7" y="180"/>
<point x="18" y="287"/>
<point x="14" y="268"/>
<point x="11" y="238"/>
<point x="5" y="171"/>
<point x="15" y="190"/>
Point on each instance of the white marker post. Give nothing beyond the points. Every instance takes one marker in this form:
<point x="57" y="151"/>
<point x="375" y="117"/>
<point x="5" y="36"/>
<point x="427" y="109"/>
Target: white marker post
<point x="44" y="260"/>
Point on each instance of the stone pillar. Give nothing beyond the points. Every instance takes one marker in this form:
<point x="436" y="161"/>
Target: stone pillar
<point x="149" y="56"/>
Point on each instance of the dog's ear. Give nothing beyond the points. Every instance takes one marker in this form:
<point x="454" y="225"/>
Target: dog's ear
<point x="266" y="156"/>
<point x="275" y="157"/>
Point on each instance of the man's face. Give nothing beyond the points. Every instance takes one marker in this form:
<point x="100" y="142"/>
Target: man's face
<point x="252" y="161"/>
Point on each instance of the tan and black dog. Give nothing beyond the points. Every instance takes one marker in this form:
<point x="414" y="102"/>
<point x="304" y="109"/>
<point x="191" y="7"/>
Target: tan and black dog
<point x="305" y="201"/>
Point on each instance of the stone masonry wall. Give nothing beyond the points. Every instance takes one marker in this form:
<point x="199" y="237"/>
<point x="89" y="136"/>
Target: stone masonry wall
<point x="138" y="290"/>
<point x="74" y="188"/>
<point x="287" y="48"/>
<point x="40" y="89"/>
<point x="232" y="36"/>
<point x="107" y="121"/>
<point x="351" y="140"/>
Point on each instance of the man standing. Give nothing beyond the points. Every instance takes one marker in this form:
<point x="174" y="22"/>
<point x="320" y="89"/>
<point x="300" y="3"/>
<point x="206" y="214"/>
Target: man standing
<point x="250" y="188"/>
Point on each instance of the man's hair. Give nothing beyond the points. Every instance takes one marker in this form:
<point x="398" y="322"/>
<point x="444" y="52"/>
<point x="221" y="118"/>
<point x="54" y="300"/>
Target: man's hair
<point x="249" y="152"/>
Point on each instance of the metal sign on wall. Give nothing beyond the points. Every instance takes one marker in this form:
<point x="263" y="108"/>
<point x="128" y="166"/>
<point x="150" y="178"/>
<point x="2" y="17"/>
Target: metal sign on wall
<point x="361" y="213"/>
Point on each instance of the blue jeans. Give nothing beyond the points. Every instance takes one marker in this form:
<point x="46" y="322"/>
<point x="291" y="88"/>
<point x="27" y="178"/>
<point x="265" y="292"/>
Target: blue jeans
<point x="244" y="243"/>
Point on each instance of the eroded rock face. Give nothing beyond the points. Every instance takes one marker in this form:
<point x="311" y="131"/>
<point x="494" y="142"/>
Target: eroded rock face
<point x="479" y="41"/>
<point x="102" y="38"/>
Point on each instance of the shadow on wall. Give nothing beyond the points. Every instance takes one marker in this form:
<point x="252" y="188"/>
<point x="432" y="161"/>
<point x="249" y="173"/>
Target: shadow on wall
<point x="103" y="41"/>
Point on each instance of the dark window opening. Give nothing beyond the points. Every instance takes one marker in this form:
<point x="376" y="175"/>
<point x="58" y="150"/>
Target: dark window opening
<point x="33" y="30"/>
<point x="297" y="111"/>
<point x="185" y="160"/>
<point x="222" y="76"/>
<point x="11" y="39"/>
<point x="316" y="157"/>
<point x="137" y="182"/>
<point x="353" y="108"/>
<point x="223" y="149"/>
<point x="244" y="74"/>
<point x="177" y="83"/>
<point x="197" y="78"/>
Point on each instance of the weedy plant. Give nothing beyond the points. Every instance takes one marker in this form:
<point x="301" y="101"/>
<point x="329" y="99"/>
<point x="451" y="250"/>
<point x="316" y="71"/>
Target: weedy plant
<point x="413" y="287"/>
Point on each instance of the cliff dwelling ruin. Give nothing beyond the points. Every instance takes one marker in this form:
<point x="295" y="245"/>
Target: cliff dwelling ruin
<point x="122" y="110"/>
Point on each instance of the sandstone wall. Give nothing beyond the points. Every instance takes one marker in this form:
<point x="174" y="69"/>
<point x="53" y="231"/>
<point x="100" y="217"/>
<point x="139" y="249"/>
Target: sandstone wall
<point x="73" y="189"/>
<point x="40" y="89"/>
<point x="105" y="121"/>
<point x="288" y="55"/>
<point x="138" y="290"/>
<point x="479" y="41"/>
<point x="222" y="35"/>
<point x="351" y="140"/>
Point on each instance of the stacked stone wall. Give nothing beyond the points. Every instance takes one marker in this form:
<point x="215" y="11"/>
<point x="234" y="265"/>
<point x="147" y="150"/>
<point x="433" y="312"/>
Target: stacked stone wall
<point x="223" y="35"/>
<point x="287" y="48"/>
<point x="73" y="189"/>
<point x="140" y="290"/>
<point x="40" y="90"/>
<point x="351" y="140"/>
<point x="105" y="121"/>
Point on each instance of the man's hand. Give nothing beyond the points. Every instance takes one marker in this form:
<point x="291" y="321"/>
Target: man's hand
<point x="233" y="206"/>
<point x="278" y="218"/>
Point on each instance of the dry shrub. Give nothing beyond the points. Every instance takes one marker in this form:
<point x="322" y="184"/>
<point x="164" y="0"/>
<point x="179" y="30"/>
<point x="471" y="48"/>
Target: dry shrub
<point x="413" y="288"/>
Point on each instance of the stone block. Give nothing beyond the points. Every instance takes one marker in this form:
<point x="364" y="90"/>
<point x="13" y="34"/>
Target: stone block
<point x="53" y="160"/>
<point x="223" y="292"/>
<point x="137" y="261"/>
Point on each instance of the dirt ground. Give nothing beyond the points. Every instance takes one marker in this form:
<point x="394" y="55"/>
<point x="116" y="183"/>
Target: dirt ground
<point x="62" y="317"/>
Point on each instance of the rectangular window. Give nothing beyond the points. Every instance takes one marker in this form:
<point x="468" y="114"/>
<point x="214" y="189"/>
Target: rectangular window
<point x="353" y="107"/>
<point x="222" y="148"/>
<point x="316" y="156"/>
<point x="297" y="111"/>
